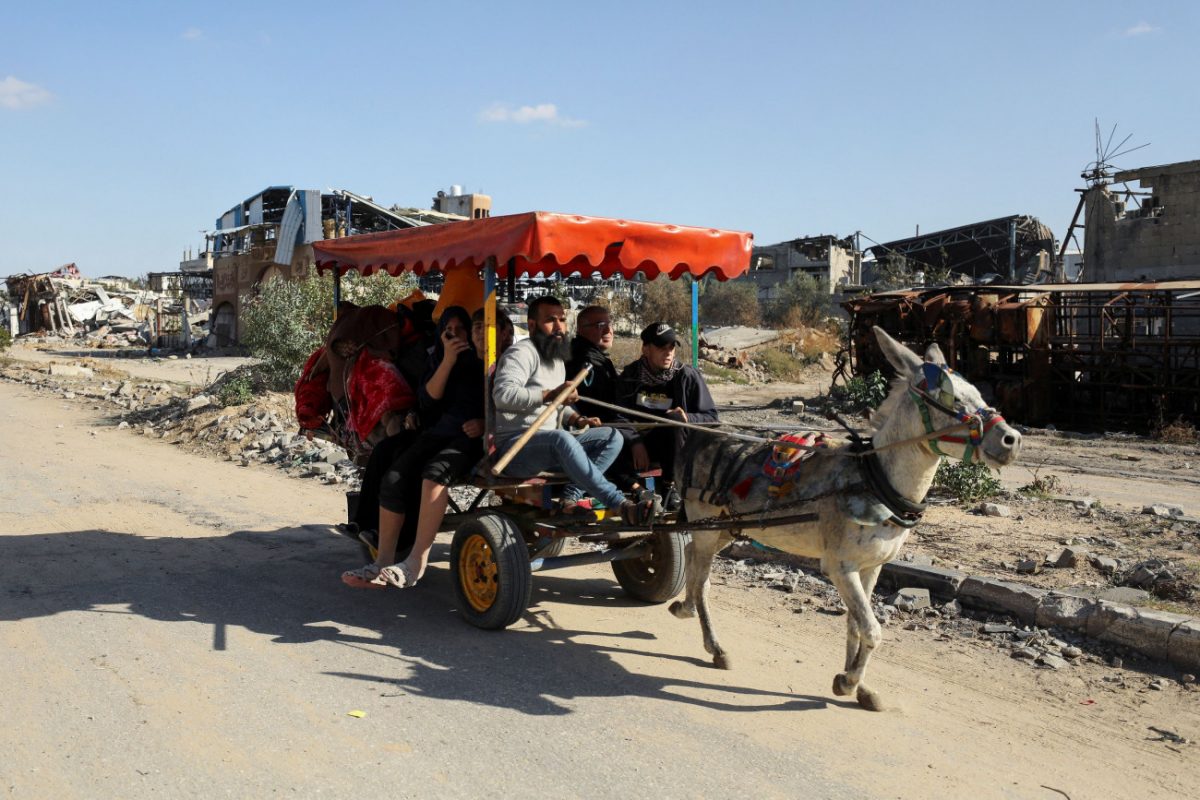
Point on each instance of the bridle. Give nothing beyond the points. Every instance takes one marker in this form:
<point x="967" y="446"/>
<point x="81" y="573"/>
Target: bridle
<point x="936" y="379"/>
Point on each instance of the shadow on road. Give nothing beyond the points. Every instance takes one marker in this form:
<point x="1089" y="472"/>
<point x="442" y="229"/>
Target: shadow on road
<point x="284" y="584"/>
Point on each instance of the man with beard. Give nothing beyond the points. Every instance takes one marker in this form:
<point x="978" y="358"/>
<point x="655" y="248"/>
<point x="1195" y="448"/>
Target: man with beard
<point x="529" y="375"/>
<point x="658" y="383"/>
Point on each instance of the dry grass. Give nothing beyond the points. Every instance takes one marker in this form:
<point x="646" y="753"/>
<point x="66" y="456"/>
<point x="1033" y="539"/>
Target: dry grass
<point x="1178" y="432"/>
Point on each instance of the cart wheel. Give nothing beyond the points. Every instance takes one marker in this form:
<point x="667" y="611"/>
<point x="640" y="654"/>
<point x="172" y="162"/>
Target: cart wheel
<point x="657" y="576"/>
<point x="555" y="548"/>
<point x="491" y="560"/>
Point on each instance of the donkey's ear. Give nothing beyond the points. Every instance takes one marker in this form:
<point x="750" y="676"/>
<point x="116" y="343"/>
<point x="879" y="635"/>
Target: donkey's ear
<point x="933" y="354"/>
<point x="903" y="360"/>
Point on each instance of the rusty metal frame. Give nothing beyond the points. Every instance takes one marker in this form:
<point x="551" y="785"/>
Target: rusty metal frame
<point x="1094" y="357"/>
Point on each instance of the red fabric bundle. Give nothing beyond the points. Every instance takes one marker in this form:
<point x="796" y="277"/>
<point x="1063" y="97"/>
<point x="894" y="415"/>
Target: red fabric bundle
<point x="375" y="388"/>
<point x="313" y="402"/>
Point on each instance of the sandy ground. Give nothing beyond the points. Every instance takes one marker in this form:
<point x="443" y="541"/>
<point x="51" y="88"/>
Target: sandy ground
<point x="175" y="624"/>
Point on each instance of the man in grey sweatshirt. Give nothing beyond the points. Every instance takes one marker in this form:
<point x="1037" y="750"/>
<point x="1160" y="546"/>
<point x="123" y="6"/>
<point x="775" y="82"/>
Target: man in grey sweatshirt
<point x="529" y="375"/>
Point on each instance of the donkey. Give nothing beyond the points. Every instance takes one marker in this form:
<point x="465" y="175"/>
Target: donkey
<point x="866" y="496"/>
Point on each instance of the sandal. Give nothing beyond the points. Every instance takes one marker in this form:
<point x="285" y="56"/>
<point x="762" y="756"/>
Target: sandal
<point x="576" y="512"/>
<point x="638" y="512"/>
<point x="366" y="577"/>
<point x="399" y="575"/>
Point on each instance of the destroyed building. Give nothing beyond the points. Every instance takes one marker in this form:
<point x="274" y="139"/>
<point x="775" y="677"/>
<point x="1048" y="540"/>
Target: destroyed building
<point x="270" y="234"/>
<point x="836" y="261"/>
<point x="1015" y="250"/>
<point x="1148" y="232"/>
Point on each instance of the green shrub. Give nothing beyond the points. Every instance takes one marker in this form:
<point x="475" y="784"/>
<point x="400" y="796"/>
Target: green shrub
<point x="236" y="391"/>
<point x="5" y="339"/>
<point x="968" y="483"/>
<point x="287" y="320"/>
<point x="861" y="393"/>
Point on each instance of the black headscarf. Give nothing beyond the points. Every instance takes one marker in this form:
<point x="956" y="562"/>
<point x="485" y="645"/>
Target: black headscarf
<point x="439" y="345"/>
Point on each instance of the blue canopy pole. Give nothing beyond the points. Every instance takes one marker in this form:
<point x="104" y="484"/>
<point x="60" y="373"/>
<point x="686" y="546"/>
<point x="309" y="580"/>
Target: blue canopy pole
<point x="695" y="324"/>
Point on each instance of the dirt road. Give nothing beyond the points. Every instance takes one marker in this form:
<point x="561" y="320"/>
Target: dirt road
<point x="174" y="625"/>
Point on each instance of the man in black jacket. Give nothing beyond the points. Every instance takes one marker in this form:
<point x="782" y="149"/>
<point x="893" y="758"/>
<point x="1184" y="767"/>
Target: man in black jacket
<point x="659" y="384"/>
<point x="593" y="339"/>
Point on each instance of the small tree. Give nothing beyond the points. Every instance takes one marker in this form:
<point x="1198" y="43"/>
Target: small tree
<point x="803" y="301"/>
<point x="895" y="271"/>
<point x="729" y="303"/>
<point x="668" y="301"/>
<point x="287" y="320"/>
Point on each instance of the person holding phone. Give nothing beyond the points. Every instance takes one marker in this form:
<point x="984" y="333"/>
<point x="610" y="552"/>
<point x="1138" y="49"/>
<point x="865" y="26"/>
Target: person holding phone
<point x="451" y="399"/>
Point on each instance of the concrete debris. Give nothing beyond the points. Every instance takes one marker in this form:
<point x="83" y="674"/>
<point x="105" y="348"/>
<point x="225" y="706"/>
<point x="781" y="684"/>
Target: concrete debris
<point x="1159" y="510"/>
<point x="910" y="599"/>
<point x="1104" y="564"/>
<point x="1067" y="558"/>
<point x="198" y="402"/>
<point x="70" y="371"/>
<point x="995" y="510"/>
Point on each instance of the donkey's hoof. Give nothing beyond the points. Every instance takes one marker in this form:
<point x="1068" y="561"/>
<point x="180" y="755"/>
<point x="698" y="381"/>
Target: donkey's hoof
<point x="679" y="610"/>
<point x="722" y="661"/>
<point x="869" y="699"/>
<point x="841" y="685"/>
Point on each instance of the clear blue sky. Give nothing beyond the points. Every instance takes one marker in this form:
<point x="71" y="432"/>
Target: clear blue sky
<point x="126" y="128"/>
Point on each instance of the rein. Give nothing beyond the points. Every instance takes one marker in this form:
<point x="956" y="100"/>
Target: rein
<point x="941" y="432"/>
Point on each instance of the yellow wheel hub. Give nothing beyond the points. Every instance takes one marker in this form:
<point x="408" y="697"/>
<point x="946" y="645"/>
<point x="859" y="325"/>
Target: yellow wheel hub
<point x="477" y="573"/>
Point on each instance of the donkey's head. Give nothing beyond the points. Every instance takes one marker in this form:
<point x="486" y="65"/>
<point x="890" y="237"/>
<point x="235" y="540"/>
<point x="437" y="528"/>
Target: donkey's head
<point x="943" y="399"/>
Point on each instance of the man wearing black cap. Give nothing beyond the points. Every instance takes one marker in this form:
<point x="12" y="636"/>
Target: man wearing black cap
<point x="658" y="383"/>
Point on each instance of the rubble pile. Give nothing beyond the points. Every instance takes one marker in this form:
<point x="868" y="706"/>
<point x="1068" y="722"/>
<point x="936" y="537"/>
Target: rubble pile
<point x="262" y="432"/>
<point x="64" y="305"/>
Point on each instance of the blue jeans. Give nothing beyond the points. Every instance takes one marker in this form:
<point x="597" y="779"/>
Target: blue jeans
<point x="583" y="458"/>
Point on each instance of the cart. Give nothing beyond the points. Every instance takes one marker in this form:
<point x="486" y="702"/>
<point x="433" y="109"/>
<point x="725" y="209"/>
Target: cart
<point x="507" y="533"/>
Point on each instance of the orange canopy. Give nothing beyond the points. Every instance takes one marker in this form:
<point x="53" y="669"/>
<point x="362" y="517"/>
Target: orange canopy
<point x="540" y="241"/>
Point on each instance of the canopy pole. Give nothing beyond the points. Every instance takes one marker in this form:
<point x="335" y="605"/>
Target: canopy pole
<point x="489" y="347"/>
<point x="695" y="324"/>
<point x="337" y="290"/>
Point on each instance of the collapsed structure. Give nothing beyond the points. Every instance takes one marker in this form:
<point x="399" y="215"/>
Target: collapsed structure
<point x="1014" y="249"/>
<point x="270" y="234"/>
<point x="63" y="303"/>
<point x="1089" y="356"/>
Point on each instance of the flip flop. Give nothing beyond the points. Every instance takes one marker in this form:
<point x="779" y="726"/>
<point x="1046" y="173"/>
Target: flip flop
<point x="366" y="577"/>
<point x="399" y="575"/>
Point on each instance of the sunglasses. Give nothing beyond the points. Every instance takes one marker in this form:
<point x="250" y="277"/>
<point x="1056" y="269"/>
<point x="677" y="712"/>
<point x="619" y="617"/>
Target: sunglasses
<point x="604" y="326"/>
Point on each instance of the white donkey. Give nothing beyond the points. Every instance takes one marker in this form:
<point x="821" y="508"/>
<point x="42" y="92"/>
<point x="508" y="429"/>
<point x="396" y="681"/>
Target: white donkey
<point x="865" y="502"/>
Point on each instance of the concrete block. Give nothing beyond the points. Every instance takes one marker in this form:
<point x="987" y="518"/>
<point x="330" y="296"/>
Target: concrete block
<point x="1183" y="645"/>
<point x="70" y="371"/>
<point x="940" y="582"/>
<point x="910" y="599"/>
<point x="1143" y="630"/>
<point x="995" y="595"/>
<point x="1064" y="611"/>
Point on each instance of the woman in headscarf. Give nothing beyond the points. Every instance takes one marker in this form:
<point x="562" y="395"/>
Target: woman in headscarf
<point x="451" y="397"/>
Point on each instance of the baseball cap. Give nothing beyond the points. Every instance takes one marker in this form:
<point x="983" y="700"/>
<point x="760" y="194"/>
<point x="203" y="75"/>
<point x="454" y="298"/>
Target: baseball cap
<point x="659" y="334"/>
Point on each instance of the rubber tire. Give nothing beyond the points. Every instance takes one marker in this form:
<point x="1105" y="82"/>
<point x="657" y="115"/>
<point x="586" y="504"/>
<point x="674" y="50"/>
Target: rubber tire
<point x="659" y="577"/>
<point x="555" y="548"/>
<point x="514" y="580"/>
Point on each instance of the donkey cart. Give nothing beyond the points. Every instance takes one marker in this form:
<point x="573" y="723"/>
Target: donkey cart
<point x="506" y="532"/>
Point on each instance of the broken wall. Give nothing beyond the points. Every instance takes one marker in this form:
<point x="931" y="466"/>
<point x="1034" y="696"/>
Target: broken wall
<point x="1153" y="236"/>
